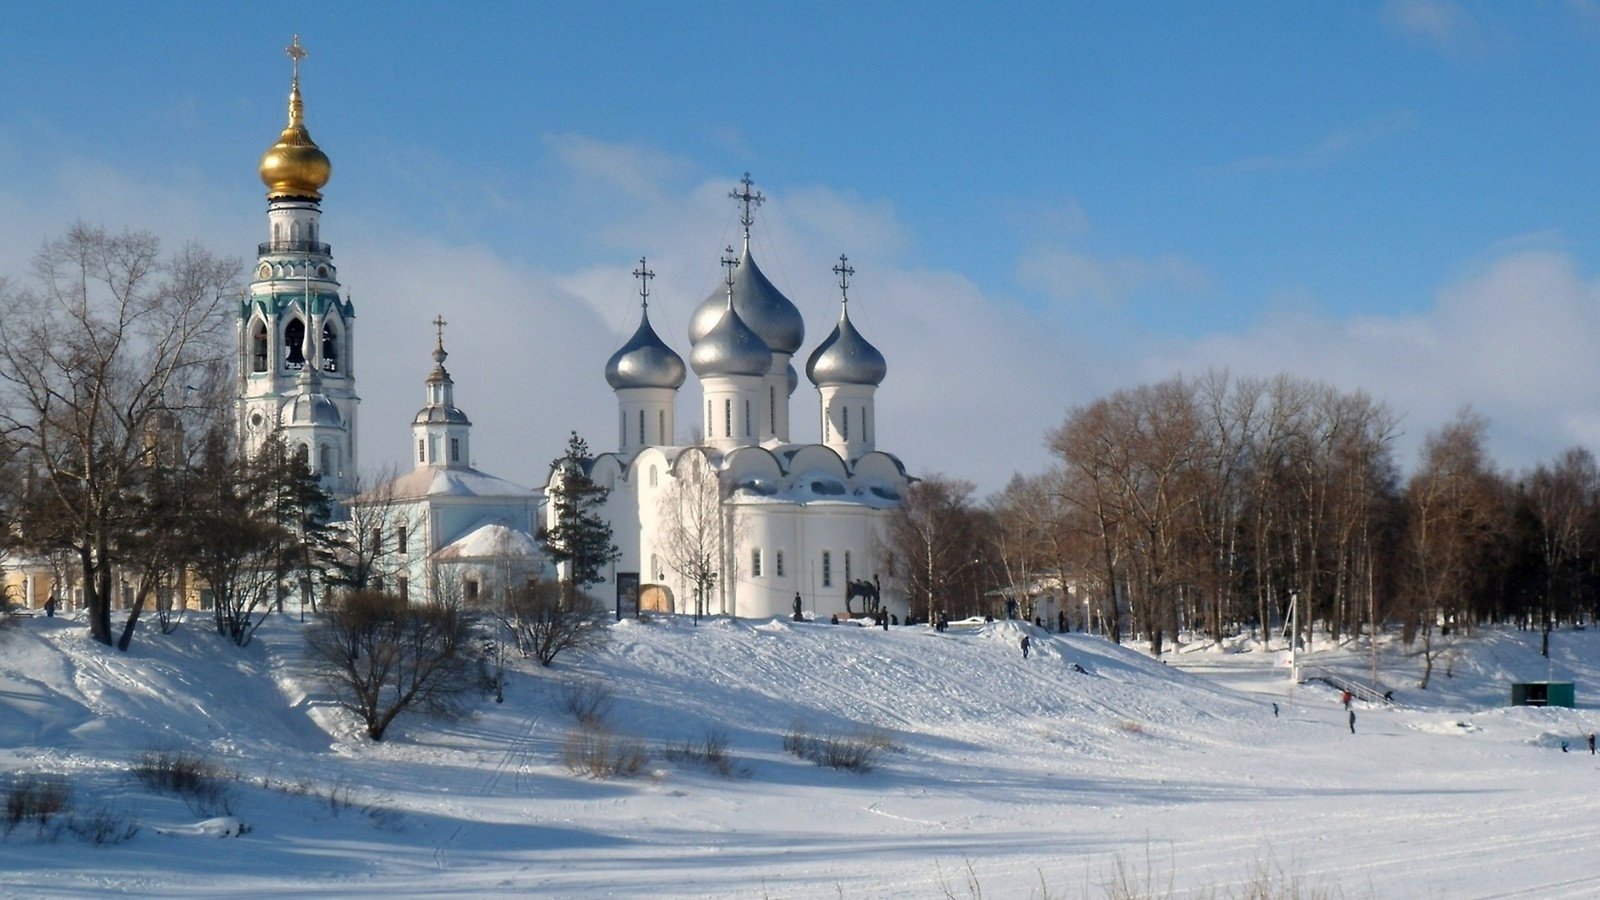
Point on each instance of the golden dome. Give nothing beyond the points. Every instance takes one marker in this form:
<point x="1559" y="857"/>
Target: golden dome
<point x="295" y="166"/>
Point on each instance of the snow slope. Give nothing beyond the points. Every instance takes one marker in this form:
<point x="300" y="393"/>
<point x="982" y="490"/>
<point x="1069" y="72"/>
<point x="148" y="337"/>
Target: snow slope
<point x="1006" y="776"/>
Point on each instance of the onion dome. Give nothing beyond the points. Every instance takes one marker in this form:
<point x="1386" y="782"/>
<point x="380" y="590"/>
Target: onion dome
<point x="645" y="361"/>
<point x="794" y="379"/>
<point x="762" y="306"/>
<point x="846" y="357"/>
<point x="295" y="167"/>
<point x="312" y="409"/>
<point x="730" y="348"/>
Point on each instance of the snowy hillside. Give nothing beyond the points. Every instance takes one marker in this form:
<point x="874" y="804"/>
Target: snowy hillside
<point x="995" y="774"/>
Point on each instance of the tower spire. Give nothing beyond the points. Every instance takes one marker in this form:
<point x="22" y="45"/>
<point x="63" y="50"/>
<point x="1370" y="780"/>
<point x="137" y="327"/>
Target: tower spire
<point x="438" y="342"/>
<point x="748" y="199"/>
<point x="844" y="271"/>
<point x="644" y="275"/>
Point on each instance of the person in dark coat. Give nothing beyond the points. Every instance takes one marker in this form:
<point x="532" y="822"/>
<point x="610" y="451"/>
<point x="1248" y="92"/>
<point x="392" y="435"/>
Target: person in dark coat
<point x="50" y="613"/>
<point x="1352" y="721"/>
<point x="1591" y="745"/>
<point x="1026" y="645"/>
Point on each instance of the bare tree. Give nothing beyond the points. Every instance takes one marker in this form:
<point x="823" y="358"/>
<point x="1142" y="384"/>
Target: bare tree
<point x="90" y="356"/>
<point x="691" y="536"/>
<point x="931" y="544"/>
<point x="1564" y="498"/>
<point x="386" y="656"/>
<point x="545" y="622"/>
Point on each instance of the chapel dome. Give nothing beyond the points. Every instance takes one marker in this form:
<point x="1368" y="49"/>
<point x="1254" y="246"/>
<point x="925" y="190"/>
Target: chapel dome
<point x="295" y="166"/>
<point x="730" y="348"/>
<point x="763" y="307"/>
<point x="312" y="409"/>
<point x="846" y="357"/>
<point x="645" y="361"/>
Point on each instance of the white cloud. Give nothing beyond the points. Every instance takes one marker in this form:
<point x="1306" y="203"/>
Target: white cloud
<point x="1074" y="276"/>
<point x="1330" y="148"/>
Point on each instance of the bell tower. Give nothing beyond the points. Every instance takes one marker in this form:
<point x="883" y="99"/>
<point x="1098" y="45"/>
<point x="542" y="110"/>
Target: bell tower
<point x="296" y="336"/>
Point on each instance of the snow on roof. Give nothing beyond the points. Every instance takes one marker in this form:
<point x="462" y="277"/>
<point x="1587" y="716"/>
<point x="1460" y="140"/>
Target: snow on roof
<point x="439" y="481"/>
<point x="492" y="542"/>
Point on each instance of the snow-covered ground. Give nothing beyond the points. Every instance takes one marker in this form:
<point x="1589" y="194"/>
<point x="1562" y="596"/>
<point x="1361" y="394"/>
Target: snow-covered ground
<point x="1006" y="777"/>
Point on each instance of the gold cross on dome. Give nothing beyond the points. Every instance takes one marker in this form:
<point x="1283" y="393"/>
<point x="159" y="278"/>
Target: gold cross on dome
<point x="296" y="53"/>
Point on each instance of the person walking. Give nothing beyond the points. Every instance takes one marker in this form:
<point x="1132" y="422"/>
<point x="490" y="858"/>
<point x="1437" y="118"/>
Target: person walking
<point x="1345" y="698"/>
<point x="1591" y="744"/>
<point x="1352" y="721"/>
<point x="1026" y="645"/>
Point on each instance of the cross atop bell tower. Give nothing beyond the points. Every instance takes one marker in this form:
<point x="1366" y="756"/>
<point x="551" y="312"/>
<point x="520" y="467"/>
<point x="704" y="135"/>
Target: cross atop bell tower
<point x="748" y="199"/>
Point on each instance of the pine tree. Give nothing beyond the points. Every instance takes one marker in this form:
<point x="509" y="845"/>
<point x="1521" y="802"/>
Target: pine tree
<point x="580" y="536"/>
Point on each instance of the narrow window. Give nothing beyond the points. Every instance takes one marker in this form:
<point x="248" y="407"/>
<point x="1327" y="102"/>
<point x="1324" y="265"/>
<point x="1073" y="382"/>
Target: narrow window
<point x="844" y="424"/>
<point x="727" y="418"/>
<point x="622" y="427"/>
<point x="772" y="408"/>
<point x="777" y="564"/>
<point x="866" y="426"/>
<point x="421" y="455"/>
<point x="377" y="542"/>
<point x="847" y="567"/>
<point x="469" y="590"/>
<point x="747" y="418"/>
<point x="661" y="427"/>
<point x="258" y="347"/>
<point x="827" y="425"/>
<point x="400" y="538"/>
<point x="652" y="476"/>
<point x="455" y="449"/>
<point x="710" y="427"/>
<point x="755" y="562"/>
<point x="402" y="586"/>
<point x="325" y="460"/>
<point x="330" y="348"/>
<point x="827" y="569"/>
<point x="294" y="335"/>
<point x="641" y="426"/>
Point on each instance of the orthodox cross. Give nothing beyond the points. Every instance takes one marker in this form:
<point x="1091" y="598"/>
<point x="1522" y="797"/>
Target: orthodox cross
<point x="438" y="347"/>
<point x="296" y="53"/>
<point x="644" y="275"/>
<point x="844" y="271"/>
<point x="749" y="200"/>
<point x="729" y="262"/>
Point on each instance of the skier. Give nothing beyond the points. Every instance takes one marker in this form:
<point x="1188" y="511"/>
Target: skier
<point x="1352" y="721"/>
<point x="1026" y="644"/>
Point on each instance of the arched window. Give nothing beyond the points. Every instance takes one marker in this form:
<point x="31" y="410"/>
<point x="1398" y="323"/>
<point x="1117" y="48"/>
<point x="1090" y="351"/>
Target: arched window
<point x="294" y="336"/>
<point x="455" y="450"/>
<point x="325" y="463"/>
<point x="258" y="347"/>
<point x="305" y="454"/>
<point x="652" y="476"/>
<point x="421" y="455"/>
<point x="330" y="348"/>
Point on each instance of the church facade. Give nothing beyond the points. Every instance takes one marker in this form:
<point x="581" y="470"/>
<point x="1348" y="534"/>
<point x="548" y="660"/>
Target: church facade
<point x="749" y="522"/>
<point x="744" y="520"/>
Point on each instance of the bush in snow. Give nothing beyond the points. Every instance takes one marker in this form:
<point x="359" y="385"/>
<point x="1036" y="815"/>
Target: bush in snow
<point x="547" y="619"/>
<point x="384" y="655"/>
<point x="852" y="753"/>
<point x="710" y="751"/>
<point x="587" y="701"/>
<point x="207" y="788"/>
<point x="595" y="750"/>
<point x="103" y="827"/>
<point x="37" y="799"/>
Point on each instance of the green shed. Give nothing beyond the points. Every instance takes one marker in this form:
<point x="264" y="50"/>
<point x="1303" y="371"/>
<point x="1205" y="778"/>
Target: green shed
<point x="1543" y="693"/>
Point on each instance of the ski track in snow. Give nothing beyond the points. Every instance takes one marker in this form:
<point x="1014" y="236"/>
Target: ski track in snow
<point x="1021" y="769"/>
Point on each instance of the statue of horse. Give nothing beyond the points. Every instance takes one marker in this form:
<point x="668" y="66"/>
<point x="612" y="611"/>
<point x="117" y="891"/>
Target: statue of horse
<point x="864" y="589"/>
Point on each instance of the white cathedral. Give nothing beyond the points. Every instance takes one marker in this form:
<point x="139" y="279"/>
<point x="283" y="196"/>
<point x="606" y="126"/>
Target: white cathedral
<point x="748" y="523"/>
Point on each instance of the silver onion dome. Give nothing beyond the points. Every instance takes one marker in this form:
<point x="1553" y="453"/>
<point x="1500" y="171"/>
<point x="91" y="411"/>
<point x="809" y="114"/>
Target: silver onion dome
<point x="312" y="409"/>
<point x="730" y="348"/>
<point x="846" y="357"/>
<point x="645" y="361"/>
<point x="435" y="415"/>
<point x="763" y="307"/>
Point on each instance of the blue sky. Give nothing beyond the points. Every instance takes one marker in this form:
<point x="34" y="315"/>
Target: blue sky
<point x="1043" y="202"/>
